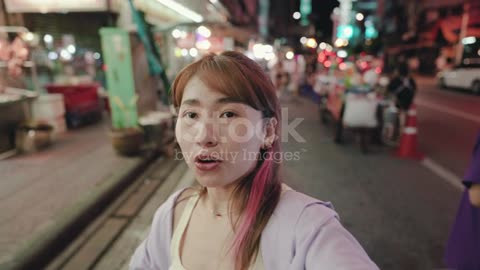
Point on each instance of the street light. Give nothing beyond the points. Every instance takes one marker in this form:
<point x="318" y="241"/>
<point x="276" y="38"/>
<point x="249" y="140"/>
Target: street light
<point x="342" y="54"/>
<point x="176" y="33"/>
<point x="65" y="55"/>
<point x="193" y="52"/>
<point x="311" y="43"/>
<point x="204" y="31"/>
<point x="289" y="55"/>
<point x="359" y="17"/>
<point x="297" y="15"/>
<point x="48" y="38"/>
<point x="52" y="55"/>
<point x="179" y="34"/>
<point x="71" y="49"/>
<point x="339" y="42"/>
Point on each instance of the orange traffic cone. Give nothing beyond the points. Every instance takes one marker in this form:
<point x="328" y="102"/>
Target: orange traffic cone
<point x="408" y="141"/>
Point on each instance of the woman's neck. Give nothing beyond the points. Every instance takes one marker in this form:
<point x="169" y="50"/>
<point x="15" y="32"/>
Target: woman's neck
<point x="217" y="199"/>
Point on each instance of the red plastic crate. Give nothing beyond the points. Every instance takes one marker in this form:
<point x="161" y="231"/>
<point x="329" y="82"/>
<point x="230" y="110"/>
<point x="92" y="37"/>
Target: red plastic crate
<point x="81" y="101"/>
<point x="83" y="97"/>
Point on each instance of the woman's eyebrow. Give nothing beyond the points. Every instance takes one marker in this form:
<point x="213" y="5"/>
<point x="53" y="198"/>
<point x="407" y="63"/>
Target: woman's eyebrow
<point x="225" y="100"/>
<point x="191" y="102"/>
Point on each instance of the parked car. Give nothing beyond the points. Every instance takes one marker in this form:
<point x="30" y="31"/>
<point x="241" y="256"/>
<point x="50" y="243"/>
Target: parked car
<point x="463" y="76"/>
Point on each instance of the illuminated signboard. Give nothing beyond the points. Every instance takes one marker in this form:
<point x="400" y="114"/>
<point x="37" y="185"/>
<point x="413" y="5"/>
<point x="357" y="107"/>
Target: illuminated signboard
<point x="45" y="6"/>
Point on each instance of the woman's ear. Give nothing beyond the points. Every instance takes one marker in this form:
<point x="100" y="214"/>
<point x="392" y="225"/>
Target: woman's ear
<point x="270" y="128"/>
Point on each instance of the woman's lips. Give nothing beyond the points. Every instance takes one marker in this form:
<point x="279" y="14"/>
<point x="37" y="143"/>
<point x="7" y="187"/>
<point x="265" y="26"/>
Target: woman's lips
<point x="207" y="166"/>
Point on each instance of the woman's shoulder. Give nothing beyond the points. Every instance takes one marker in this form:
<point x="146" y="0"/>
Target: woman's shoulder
<point x="154" y="252"/>
<point x="295" y="216"/>
<point x="295" y="207"/>
<point x="295" y="201"/>
<point x="175" y="203"/>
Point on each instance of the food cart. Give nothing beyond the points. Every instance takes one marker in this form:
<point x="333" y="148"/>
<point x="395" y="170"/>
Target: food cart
<point x="15" y="101"/>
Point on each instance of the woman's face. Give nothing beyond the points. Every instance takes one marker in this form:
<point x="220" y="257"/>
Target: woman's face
<point x="220" y="137"/>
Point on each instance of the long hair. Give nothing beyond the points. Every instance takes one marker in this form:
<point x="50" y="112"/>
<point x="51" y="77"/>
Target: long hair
<point x="257" y="194"/>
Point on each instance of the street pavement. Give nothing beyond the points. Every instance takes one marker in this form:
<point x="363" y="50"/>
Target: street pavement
<point x="448" y="121"/>
<point x="399" y="210"/>
<point x="109" y="241"/>
<point x="44" y="193"/>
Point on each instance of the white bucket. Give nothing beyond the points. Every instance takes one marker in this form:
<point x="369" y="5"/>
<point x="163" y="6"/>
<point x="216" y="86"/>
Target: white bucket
<point x="48" y="106"/>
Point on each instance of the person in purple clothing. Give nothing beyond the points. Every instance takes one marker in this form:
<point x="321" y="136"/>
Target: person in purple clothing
<point x="241" y="216"/>
<point x="463" y="248"/>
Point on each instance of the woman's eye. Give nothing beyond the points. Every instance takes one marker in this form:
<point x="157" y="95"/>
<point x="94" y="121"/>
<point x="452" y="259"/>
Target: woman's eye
<point x="191" y="115"/>
<point x="228" y="114"/>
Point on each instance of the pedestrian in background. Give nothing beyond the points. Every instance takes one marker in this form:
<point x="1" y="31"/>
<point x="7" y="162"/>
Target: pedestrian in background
<point x="404" y="88"/>
<point x="463" y="248"/>
<point x="242" y="216"/>
<point x="281" y="79"/>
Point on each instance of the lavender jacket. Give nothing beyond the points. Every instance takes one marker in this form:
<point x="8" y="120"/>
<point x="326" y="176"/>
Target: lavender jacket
<point x="303" y="233"/>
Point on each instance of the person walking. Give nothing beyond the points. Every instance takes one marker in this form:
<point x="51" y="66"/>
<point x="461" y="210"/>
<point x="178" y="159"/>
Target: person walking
<point x="282" y="80"/>
<point x="241" y="216"/>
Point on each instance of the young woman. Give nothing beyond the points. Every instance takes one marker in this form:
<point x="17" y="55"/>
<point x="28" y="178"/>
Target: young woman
<point x="463" y="248"/>
<point x="241" y="217"/>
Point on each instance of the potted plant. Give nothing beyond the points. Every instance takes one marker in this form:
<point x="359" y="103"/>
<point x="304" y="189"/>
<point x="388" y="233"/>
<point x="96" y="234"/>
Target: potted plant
<point x="126" y="135"/>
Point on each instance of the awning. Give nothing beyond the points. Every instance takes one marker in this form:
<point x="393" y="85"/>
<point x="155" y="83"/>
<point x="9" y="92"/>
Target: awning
<point x="168" y="13"/>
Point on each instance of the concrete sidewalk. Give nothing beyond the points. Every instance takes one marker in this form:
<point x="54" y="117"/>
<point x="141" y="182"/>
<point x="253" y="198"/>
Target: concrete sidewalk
<point x="46" y="195"/>
<point x="110" y="241"/>
<point x="137" y="231"/>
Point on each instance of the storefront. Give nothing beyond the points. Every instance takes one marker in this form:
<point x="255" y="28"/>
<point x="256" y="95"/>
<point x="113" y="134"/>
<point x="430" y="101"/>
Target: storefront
<point x="64" y="45"/>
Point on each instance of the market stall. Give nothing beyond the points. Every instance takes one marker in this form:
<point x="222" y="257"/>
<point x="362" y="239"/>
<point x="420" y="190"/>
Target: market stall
<point x="28" y="120"/>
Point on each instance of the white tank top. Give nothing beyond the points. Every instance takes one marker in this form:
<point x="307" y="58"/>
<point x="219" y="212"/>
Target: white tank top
<point x="178" y="234"/>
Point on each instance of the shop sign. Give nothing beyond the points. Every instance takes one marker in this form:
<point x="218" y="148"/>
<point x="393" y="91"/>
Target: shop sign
<point x="46" y="6"/>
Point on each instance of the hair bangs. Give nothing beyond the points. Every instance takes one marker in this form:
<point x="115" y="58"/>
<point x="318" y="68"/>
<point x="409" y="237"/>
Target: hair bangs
<point x="221" y="74"/>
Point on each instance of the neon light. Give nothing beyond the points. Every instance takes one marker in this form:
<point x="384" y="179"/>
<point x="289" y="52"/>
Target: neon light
<point x="182" y="10"/>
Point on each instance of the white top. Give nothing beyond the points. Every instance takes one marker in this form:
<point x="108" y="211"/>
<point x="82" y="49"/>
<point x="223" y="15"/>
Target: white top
<point x="303" y="233"/>
<point x="180" y="230"/>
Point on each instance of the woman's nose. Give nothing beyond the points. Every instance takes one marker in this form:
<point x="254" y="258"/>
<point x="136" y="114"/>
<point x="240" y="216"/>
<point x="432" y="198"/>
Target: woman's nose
<point x="206" y="134"/>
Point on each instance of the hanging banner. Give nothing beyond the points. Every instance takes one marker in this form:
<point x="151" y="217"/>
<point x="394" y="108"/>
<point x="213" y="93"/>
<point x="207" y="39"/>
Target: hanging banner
<point x="119" y="74"/>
